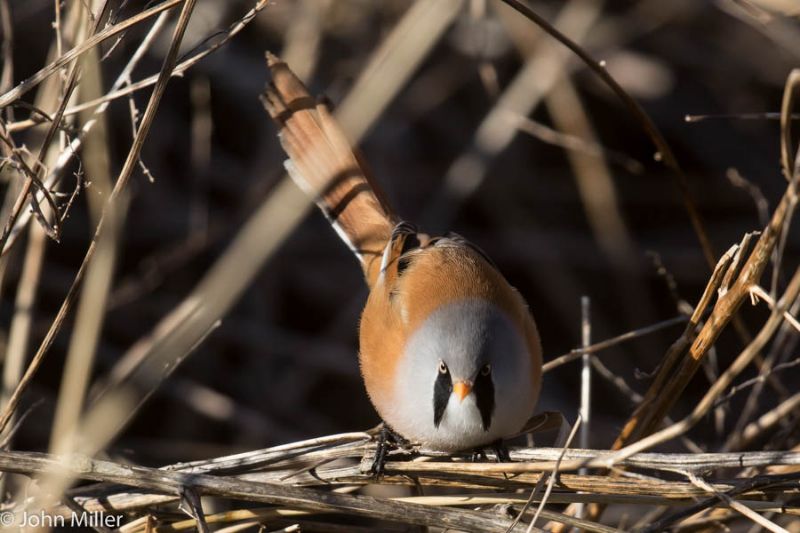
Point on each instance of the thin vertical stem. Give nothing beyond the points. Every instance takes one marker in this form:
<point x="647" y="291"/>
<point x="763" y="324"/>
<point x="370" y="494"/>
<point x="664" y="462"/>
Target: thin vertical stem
<point x="586" y="381"/>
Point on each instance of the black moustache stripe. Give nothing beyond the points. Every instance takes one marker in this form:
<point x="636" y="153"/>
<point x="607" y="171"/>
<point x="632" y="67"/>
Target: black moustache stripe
<point x="484" y="398"/>
<point x="441" y="395"/>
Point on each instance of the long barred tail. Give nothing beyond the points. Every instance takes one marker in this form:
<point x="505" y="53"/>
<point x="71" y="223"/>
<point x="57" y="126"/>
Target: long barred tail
<point x="322" y="163"/>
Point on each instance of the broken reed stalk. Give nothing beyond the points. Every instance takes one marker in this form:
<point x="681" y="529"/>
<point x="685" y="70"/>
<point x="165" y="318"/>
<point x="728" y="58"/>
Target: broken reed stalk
<point x="668" y="385"/>
<point x="724" y="381"/>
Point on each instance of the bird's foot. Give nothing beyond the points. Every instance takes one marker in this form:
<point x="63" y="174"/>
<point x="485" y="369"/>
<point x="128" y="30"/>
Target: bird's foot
<point x="501" y="451"/>
<point x="498" y="447"/>
<point x="478" y="455"/>
<point x="388" y="439"/>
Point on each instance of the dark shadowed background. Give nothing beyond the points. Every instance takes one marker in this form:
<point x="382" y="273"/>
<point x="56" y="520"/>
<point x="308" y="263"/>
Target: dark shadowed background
<point x="568" y="199"/>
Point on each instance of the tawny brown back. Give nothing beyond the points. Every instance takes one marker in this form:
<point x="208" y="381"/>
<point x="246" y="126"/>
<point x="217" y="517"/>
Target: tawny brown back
<point x="437" y="276"/>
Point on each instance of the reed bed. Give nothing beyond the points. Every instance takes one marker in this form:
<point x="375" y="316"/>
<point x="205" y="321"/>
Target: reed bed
<point x="167" y="310"/>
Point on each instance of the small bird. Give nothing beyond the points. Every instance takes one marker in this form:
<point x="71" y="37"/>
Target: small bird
<point x="449" y="352"/>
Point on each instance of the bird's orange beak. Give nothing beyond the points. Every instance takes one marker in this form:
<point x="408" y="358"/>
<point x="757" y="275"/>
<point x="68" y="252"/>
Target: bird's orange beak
<point x="461" y="389"/>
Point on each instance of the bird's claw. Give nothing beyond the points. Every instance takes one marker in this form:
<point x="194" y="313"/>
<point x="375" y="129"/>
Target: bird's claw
<point x="387" y="439"/>
<point x="498" y="447"/>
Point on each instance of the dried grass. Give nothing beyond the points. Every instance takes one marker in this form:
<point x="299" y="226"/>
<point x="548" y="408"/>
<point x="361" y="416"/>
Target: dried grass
<point x="748" y="478"/>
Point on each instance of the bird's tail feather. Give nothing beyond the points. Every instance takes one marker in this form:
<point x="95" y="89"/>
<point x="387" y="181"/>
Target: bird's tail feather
<point x="323" y="164"/>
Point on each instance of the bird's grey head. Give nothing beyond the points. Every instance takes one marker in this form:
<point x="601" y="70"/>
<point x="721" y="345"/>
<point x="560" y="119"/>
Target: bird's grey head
<point x="464" y="378"/>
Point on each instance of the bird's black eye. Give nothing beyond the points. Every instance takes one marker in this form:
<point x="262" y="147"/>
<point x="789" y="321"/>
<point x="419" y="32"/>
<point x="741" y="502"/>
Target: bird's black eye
<point x="442" y="367"/>
<point x="486" y="370"/>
